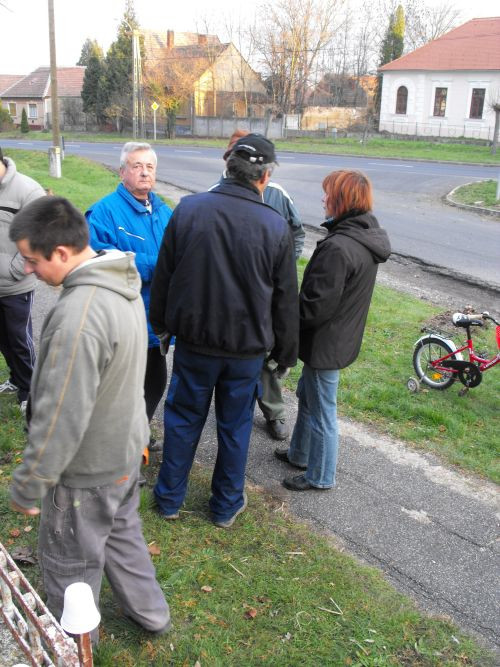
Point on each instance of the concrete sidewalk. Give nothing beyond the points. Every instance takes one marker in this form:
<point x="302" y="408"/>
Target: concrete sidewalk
<point x="430" y="530"/>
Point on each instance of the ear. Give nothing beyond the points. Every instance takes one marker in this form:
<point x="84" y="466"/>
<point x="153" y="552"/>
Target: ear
<point x="63" y="253"/>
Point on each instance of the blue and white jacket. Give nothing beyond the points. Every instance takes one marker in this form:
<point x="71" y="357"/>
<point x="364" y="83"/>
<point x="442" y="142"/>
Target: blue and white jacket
<point x="120" y="221"/>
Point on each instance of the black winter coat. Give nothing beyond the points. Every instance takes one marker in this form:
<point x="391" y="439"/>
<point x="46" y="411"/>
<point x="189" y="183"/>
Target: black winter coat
<point x="337" y="289"/>
<point x="226" y="282"/>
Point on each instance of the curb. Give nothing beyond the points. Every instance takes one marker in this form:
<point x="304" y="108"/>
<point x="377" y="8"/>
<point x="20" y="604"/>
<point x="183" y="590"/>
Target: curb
<point x="471" y="207"/>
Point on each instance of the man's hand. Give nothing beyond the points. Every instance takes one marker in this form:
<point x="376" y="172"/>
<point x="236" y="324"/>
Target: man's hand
<point x="30" y="511"/>
<point x="281" y="372"/>
<point x="164" y="339"/>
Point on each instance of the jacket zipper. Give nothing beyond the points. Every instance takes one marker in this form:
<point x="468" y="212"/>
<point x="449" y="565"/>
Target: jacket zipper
<point x="129" y="234"/>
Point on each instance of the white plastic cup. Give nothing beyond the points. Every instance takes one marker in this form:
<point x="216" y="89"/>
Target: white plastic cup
<point x="80" y="615"/>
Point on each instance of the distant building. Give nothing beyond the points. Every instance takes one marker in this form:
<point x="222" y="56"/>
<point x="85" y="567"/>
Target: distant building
<point x="446" y="87"/>
<point x="32" y="92"/>
<point x="213" y="78"/>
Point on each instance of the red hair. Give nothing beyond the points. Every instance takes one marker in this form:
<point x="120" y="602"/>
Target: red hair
<point x="347" y="191"/>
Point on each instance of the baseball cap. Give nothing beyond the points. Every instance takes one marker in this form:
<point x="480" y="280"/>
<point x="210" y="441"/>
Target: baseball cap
<point x="255" y="148"/>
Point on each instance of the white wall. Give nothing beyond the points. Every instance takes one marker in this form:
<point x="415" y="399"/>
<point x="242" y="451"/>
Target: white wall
<point x="419" y="118"/>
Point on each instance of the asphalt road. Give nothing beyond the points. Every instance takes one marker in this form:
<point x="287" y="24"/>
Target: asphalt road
<point x="407" y="199"/>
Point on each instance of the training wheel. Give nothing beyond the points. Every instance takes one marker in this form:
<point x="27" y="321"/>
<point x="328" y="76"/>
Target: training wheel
<point x="413" y="385"/>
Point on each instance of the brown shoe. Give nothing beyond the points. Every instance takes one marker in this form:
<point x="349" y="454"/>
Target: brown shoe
<point x="277" y="429"/>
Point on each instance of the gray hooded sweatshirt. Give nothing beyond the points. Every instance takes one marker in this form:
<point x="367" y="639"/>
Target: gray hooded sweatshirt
<point x="16" y="190"/>
<point x="88" y="425"/>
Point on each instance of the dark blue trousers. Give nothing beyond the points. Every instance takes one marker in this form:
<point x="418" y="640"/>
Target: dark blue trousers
<point x="16" y="340"/>
<point x="194" y="379"/>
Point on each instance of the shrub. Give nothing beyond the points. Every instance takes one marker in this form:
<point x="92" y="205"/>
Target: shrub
<point x="24" y="122"/>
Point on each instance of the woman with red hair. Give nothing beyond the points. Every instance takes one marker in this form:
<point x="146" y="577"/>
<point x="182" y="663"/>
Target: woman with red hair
<point x="334" y="300"/>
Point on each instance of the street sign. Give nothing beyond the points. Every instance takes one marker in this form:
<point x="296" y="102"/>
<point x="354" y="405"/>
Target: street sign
<point x="155" y="106"/>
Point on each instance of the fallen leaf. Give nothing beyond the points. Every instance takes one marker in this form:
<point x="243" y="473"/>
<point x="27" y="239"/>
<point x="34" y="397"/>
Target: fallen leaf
<point x="442" y="428"/>
<point x="28" y="529"/>
<point x="207" y="589"/>
<point x="24" y="555"/>
<point x="251" y="613"/>
<point x="154" y="549"/>
<point x="15" y="532"/>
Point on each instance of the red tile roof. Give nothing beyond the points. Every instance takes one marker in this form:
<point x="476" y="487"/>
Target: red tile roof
<point x="7" y="80"/>
<point x="70" y="81"/>
<point x="37" y="83"/>
<point x="475" y="45"/>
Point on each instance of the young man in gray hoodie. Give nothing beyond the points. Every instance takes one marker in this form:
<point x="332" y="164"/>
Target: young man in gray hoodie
<point x="87" y="417"/>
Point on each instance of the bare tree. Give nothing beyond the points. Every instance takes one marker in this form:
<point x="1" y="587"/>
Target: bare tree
<point x="494" y="104"/>
<point x="425" y="22"/>
<point x="290" y="36"/>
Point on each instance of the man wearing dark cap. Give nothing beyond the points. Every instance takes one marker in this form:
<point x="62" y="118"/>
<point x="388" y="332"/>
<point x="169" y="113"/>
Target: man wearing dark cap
<point x="226" y="286"/>
<point x="271" y="402"/>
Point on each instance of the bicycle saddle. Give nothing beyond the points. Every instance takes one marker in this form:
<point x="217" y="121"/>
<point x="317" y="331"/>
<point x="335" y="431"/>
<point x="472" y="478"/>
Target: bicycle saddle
<point x="461" y="320"/>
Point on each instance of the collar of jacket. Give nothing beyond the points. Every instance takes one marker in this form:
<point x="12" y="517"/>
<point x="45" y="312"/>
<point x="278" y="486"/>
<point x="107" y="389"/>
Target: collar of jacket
<point x="154" y="200"/>
<point x="330" y="223"/>
<point x="230" y="186"/>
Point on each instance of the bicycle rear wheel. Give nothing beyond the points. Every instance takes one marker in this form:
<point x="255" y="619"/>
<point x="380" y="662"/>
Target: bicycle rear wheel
<point x="429" y="349"/>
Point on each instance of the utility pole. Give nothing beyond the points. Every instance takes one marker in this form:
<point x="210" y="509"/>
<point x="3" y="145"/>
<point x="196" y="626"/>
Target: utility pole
<point x="55" y="149"/>
<point x="135" y="102"/>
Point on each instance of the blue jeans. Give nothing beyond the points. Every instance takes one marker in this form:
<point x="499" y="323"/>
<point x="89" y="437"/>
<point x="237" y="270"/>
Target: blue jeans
<point x="315" y="438"/>
<point x="194" y="379"/>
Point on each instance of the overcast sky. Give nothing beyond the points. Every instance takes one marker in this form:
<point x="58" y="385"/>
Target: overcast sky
<point x="24" y="24"/>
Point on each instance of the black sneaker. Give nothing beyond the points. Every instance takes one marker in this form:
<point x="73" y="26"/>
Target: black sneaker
<point x="282" y="455"/>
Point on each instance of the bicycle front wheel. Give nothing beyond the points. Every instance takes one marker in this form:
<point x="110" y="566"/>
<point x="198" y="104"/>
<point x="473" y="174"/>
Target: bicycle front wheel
<point x="430" y="349"/>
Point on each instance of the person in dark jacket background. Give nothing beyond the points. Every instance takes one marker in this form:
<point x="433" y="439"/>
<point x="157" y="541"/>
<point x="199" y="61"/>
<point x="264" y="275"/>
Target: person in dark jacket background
<point x="226" y="286"/>
<point x="271" y="402"/>
<point x="334" y="301"/>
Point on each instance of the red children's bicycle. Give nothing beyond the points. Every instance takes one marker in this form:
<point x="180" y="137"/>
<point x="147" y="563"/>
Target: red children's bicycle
<point x="438" y="362"/>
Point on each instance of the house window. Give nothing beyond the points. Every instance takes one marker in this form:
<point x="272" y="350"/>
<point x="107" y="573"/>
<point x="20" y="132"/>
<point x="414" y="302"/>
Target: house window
<point x="440" y="101"/>
<point x="12" y="109"/>
<point x="477" y="102"/>
<point x="32" y="111"/>
<point x="401" y="99"/>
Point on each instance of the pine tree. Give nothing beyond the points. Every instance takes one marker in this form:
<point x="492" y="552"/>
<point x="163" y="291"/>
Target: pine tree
<point x="119" y="64"/>
<point x="25" y="128"/>
<point x="94" y="90"/>
<point x="90" y="47"/>
<point x="392" y="47"/>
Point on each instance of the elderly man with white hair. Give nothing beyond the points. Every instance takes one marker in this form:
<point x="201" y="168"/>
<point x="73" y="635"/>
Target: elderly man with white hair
<point x="133" y="218"/>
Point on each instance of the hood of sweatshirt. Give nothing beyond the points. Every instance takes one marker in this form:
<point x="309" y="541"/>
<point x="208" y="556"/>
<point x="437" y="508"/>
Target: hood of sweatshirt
<point x="365" y="229"/>
<point x="112" y="269"/>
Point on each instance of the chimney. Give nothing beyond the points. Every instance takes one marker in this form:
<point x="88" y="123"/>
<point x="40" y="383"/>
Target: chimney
<point x="170" y="39"/>
<point x="202" y="39"/>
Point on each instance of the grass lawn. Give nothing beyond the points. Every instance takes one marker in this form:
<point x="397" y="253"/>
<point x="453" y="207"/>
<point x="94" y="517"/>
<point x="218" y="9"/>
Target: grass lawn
<point x="271" y="591"/>
<point x="373" y="147"/>
<point x="268" y="592"/>
<point x="481" y="194"/>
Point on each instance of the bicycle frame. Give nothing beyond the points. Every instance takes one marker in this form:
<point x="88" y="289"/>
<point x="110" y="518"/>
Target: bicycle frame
<point x="483" y="364"/>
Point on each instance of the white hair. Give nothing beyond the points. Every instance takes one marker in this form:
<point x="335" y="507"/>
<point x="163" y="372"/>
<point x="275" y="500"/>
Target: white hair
<point x="132" y="147"/>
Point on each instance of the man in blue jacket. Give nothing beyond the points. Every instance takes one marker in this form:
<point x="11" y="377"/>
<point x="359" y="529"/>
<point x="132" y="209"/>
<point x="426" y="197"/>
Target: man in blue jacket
<point x="133" y="218"/>
<point x="226" y="286"/>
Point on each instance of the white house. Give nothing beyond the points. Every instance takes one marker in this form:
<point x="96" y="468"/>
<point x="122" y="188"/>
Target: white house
<point x="445" y="88"/>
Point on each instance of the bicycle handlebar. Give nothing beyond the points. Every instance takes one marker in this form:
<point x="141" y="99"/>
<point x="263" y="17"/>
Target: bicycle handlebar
<point x="487" y="316"/>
